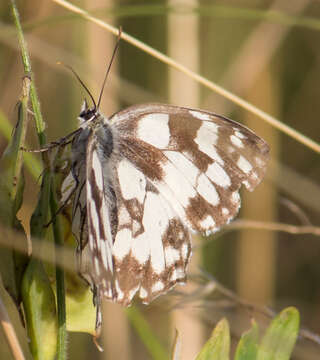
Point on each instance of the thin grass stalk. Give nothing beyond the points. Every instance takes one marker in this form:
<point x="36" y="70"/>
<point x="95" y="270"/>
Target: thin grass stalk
<point x="274" y="16"/>
<point x="40" y="125"/>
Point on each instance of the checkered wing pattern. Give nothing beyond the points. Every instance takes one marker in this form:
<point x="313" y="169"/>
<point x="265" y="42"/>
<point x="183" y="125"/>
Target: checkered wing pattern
<point x="147" y="177"/>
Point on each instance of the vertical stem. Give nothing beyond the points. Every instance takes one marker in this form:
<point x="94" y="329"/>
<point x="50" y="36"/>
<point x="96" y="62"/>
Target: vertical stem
<point x="58" y="238"/>
<point x="40" y="125"/>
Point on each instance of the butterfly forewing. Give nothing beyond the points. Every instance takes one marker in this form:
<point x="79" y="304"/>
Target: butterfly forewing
<point x="144" y="180"/>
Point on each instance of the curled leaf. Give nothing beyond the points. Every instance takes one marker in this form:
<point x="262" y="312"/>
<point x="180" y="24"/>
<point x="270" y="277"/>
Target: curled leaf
<point x="12" y="264"/>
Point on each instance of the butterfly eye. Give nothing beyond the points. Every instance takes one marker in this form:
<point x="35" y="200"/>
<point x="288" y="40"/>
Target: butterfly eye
<point x="86" y="114"/>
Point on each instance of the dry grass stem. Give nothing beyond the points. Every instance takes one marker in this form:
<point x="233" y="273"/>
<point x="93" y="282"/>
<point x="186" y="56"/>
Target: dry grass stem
<point x="10" y="334"/>
<point x="273" y="226"/>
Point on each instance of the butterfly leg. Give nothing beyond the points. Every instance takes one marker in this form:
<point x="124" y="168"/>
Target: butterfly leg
<point x="61" y="142"/>
<point x="97" y="303"/>
<point x="61" y="207"/>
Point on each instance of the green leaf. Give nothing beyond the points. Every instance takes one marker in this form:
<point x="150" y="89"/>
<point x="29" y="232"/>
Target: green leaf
<point x="280" y="337"/>
<point x="247" y="348"/>
<point x="12" y="263"/>
<point x="81" y="313"/>
<point x="40" y="216"/>
<point x="40" y="311"/>
<point x="37" y="295"/>
<point x="32" y="164"/>
<point x="218" y="346"/>
<point x="11" y="177"/>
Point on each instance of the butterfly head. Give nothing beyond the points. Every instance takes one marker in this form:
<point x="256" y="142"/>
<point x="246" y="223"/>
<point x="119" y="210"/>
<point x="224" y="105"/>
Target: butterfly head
<point x="87" y="113"/>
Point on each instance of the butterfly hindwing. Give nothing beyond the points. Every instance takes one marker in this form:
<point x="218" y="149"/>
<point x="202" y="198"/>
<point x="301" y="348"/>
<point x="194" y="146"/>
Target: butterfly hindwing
<point x="152" y="246"/>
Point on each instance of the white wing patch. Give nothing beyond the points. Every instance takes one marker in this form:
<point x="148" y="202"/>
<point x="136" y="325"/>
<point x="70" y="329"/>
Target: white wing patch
<point x="206" y="144"/>
<point x="155" y="228"/>
<point x="199" y="115"/>
<point x="236" y="141"/>
<point x="178" y="183"/>
<point x="244" y="165"/>
<point x="154" y="130"/>
<point x="123" y="244"/>
<point x="184" y="165"/>
<point x="207" y="133"/>
<point x="208" y="223"/>
<point x="216" y="173"/>
<point x="99" y="228"/>
<point x="129" y="177"/>
<point x="68" y="187"/>
<point x="207" y="190"/>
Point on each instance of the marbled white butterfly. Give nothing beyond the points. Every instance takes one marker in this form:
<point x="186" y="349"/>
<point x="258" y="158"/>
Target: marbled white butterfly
<point x="145" y="178"/>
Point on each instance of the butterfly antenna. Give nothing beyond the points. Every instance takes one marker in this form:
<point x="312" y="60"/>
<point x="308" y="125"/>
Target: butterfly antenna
<point x="109" y="67"/>
<point x="80" y="81"/>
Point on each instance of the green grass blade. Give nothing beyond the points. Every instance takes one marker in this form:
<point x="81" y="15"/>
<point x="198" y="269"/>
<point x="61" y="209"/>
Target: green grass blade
<point x="218" y="346"/>
<point x="12" y="263"/>
<point x="247" y="348"/>
<point x="32" y="164"/>
<point x="280" y="337"/>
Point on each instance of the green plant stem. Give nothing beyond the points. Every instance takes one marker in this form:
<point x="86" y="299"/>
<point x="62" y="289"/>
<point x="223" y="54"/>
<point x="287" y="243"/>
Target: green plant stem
<point x="40" y="126"/>
<point x="58" y="238"/>
<point x="23" y="118"/>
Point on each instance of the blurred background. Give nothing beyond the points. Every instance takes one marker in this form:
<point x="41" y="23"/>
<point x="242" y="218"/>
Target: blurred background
<point x="267" y="52"/>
